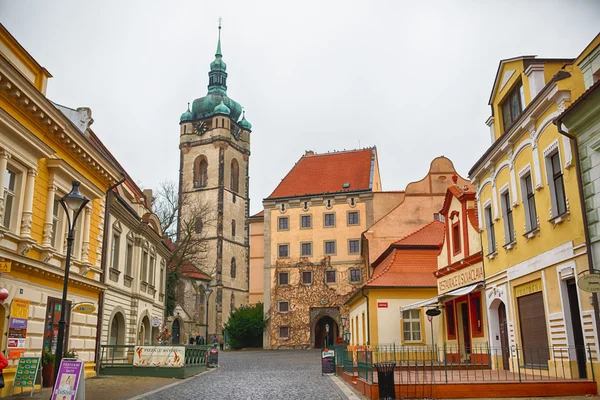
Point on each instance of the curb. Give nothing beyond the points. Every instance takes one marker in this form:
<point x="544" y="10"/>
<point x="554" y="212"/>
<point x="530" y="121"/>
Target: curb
<point x="160" y="389"/>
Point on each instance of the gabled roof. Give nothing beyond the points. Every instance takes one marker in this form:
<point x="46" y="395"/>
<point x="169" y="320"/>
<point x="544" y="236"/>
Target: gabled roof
<point x="343" y="171"/>
<point x="431" y="234"/>
<point x="406" y="268"/>
<point x="259" y="214"/>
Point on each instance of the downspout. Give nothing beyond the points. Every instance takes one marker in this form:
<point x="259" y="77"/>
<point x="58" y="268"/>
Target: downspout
<point x="588" y="247"/>
<point x="103" y="268"/>
<point x="362" y="291"/>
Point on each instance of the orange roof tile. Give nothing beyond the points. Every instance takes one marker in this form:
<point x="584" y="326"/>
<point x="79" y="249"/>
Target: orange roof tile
<point x="406" y="268"/>
<point x="258" y="214"/>
<point x="327" y="173"/>
<point x="431" y="234"/>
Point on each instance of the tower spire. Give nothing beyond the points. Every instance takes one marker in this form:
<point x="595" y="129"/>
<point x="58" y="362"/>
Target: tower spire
<point x="218" y="53"/>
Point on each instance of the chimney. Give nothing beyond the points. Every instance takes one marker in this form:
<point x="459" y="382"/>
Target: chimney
<point x="148" y="197"/>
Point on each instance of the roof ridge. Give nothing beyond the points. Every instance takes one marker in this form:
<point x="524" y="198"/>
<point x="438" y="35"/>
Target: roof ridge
<point x="393" y="258"/>
<point x="417" y="231"/>
<point x="333" y="152"/>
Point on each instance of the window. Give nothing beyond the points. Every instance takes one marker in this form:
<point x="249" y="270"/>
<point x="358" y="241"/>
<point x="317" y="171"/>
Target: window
<point x="284" y="278"/>
<point x="331" y="276"/>
<point x="456" y="238"/>
<point x="284" y="250"/>
<point x="152" y="270"/>
<point x="9" y="197"/>
<point x="234" y="182"/>
<point x="353" y="218"/>
<point x="55" y="218"/>
<point x="231" y="303"/>
<point x="355" y="275"/>
<point x="450" y="321"/>
<point x="161" y="284"/>
<point x="509" y="226"/>
<point x="284" y="332"/>
<point x="330" y="247"/>
<point x="329" y="219"/>
<point x="512" y="106"/>
<point x="557" y="186"/>
<point x="476" y="318"/>
<point x="284" y="306"/>
<point x="306" y="221"/>
<point x="128" y="258"/>
<point x="200" y="172"/>
<point x="198" y="225"/>
<point x="528" y="194"/>
<point x="411" y="322"/>
<point x="307" y="277"/>
<point x="353" y="246"/>
<point x="232" y="272"/>
<point x="233" y="227"/>
<point x="283" y="224"/>
<point x="144" y="274"/>
<point x="491" y="235"/>
<point x="306" y="249"/>
<point x="115" y="251"/>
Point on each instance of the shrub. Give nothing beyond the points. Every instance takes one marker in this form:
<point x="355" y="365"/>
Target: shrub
<point x="245" y="327"/>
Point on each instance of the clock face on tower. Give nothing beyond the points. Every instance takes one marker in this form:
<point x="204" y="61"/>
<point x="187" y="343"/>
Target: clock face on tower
<point x="200" y="127"/>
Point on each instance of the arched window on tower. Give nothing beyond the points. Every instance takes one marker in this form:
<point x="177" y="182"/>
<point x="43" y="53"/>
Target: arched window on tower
<point x="232" y="304"/>
<point x="200" y="171"/>
<point x="233" y="267"/>
<point x="234" y="182"/>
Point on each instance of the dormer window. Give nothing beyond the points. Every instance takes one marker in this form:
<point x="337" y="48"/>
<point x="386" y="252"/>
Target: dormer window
<point x="512" y="107"/>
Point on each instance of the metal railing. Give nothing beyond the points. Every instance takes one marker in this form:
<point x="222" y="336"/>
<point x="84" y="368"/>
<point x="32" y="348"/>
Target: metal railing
<point x="481" y="363"/>
<point x="122" y="355"/>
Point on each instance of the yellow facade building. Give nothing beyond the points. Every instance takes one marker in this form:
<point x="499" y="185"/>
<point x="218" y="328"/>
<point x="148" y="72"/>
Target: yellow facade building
<point x="530" y="216"/>
<point x="41" y="153"/>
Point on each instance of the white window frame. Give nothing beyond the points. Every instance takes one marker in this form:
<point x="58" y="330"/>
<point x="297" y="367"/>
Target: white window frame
<point x="129" y="252"/>
<point x="279" y="245"/>
<point x="507" y="216"/>
<point x="302" y="278"/>
<point x="302" y="252"/>
<point x="18" y="195"/>
<point x="279" y="219"/>
<point x="409" y="318"/>
<point x="529" y="220"/>
<point x="288" y="332"/>
<point x="279" y="279"/>
<point x="350" y="275"/>
<point x="335" y="274"/>
<point x="325" y="247"/>
<point x="550" y="152"/>
<point x="488" y="218"/>
<point x="350" y="248"/>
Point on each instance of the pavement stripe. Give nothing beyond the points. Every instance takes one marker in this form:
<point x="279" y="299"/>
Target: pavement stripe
<point x="179" y="382"/>
<point x="344" y="388"/>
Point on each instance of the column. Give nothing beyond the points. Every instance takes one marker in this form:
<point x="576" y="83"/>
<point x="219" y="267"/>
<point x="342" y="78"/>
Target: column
<point x="28" y="203"/>
<point x="4" y="156"/>
<point x="48" y="233"/>
<point x="85" y="247"/>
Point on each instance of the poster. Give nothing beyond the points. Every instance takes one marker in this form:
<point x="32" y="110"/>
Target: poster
<point x="159" y="356"/>
<point x="68" y="380"/>
<point x="17" y="328"/>
<point x="328" y="362"/>
<point x="27" y="370"/>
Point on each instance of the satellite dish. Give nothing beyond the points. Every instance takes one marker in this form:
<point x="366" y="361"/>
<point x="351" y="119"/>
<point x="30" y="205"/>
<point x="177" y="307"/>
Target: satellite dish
<point x="433" y="312"/>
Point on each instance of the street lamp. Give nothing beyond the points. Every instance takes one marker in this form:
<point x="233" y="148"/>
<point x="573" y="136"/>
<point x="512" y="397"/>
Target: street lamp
<point x="207" y="293"/>
<point x="344" y="320"/>
<point x="75" y="202"/>
<point x="326" y="335"/>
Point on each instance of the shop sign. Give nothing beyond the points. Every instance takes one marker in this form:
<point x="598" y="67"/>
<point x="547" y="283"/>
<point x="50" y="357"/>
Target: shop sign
<point x="589" y="283"/>
<point x="458" y="279"/>
<point x="70" y="383"/>
<point x="84" y="308"/>
<point x="19" y="308"/>
<point x="529" y="288"/>
<point x="27" y="371"/>
<point x="382" y="304"/>
<point x="17" y="328"/>
<point x="159" y="356"/>
<point x="156" y="322"/>
<point x="5" y="266"/>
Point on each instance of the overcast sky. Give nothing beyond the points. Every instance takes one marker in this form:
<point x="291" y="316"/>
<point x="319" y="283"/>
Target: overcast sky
<point x="412" y="78"/>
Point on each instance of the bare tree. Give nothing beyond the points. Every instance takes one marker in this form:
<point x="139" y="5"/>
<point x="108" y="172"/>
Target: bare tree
<point x="185" y="223"/>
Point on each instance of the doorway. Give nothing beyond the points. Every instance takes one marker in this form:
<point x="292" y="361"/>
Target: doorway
<point x="326" y="328"/>
<point x="464" y="335"/>
<point x="576" y="328"/>
<point x="175" y="331"/>
<point x="503" y="327"/>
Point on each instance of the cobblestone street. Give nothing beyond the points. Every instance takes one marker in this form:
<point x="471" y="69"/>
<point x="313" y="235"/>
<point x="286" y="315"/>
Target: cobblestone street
<point x="259" y="375"/>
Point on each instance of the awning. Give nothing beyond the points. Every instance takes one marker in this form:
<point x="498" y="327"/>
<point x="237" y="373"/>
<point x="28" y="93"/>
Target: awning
<point x="446" y="296"/>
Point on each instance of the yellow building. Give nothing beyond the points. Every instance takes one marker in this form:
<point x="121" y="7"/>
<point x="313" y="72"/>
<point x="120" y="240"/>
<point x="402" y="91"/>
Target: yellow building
<point x="41" y="152"/>
<point x="530" y="216"/>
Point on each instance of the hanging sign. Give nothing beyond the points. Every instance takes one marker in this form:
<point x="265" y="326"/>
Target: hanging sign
<point x="159" y="356"/>
<point x="156" y="322"/>
<point x="327" y="361"/>
<point x="5" y="266"/>
<point x="70" y="382"/>
<point x="27" y="370"/>
<point x="589" y="283"/>
<point x="85" y="308"/>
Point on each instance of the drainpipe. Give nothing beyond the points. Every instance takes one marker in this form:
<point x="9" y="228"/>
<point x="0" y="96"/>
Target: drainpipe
<point x="103" y="268"/>
<point x="362" y="291"/>
<point x="586" y="229"/>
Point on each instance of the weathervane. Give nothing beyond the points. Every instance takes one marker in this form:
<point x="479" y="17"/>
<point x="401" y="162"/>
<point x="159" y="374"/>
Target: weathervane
<point x="220" y="22"/>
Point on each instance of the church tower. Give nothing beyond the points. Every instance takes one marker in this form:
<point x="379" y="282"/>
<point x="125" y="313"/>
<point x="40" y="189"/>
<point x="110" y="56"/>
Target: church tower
<point x="214" y="153"/>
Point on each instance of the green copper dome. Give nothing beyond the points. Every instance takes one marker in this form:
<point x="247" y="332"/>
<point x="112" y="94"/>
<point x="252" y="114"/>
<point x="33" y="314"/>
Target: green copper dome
<point x="244" y="123"/>
<point x="187" y="116"/>
<point x="222" y="109"/>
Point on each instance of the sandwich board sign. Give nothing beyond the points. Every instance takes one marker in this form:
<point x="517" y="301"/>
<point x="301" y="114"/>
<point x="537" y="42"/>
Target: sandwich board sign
<point x="70" y="382"/>
<point x="26" y="374"/>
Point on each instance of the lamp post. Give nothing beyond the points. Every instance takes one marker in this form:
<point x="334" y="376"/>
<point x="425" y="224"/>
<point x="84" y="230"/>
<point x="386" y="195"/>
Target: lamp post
<point x="326" y="335"/>
<point x="344" y="320"/>
<point x="207" y="293"/>
<point x="75" y="202"/>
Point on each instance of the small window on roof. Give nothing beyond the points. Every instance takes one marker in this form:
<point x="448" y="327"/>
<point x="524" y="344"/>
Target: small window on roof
<point x="346" y="185"/>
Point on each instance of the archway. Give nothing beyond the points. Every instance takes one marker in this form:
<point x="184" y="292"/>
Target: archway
<point x="175" y="332"/>
<point x="499" y="332"/>
<point x="144" y="332"/>
<point x="116" y="334"/>
<point x="325" y="328"/>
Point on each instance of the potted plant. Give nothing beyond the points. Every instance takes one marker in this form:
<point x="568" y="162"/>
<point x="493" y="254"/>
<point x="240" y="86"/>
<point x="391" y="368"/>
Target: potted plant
<point x="71" y="354"/>
<point x="48" y="360"/>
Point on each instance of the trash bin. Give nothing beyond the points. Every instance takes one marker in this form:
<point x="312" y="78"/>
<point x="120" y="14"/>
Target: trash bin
<point x="385" y="380"/>
<point x="212" y="358"/>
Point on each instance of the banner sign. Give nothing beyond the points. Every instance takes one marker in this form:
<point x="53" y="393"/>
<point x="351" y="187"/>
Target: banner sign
<point x="458" y="279"/>
<point x="5" y="266"/>
<point x="85" y="308"/>
<point x="156" y="322"/>
<point x="159" y="356"/>
<point x="17" y="328"/>
<point x="328" y="362"/>
<point x="27" y="370"/>
<point x="69" y="383"/>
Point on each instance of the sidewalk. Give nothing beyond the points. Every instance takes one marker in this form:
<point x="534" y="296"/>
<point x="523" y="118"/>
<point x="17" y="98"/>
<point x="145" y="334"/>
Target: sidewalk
<point x="110" y="387"/>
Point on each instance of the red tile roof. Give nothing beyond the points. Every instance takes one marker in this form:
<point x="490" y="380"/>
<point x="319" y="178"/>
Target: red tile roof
<point x="186" y="268"/>
<point x="431" y="234"/>
<point x="258" y="214"/>
<point x="327" y="173"/>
